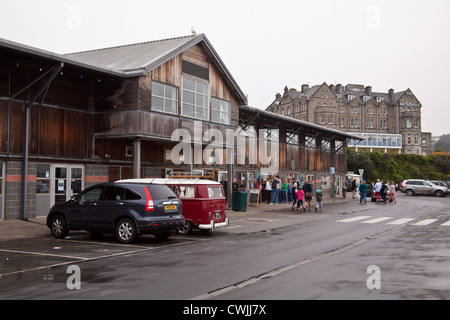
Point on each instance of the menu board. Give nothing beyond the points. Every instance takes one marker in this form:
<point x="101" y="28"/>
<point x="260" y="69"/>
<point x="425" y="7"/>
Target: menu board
<point x="255" y="196"/>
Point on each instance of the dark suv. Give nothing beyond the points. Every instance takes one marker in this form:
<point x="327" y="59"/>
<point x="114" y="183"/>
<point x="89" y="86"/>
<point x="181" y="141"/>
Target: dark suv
<point x="128" y="210"/>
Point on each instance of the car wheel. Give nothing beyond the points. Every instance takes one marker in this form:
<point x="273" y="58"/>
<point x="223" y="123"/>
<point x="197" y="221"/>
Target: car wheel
<point x="126" y="231"/>
<point x="438" y="193"/>
<point x="186" y="229"/>
<point x="58" y="227"/>
<point x="163" y="235"/>
<point x="409" y="192"/>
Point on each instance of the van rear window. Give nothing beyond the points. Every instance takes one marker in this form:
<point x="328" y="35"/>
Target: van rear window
<point x="215" y="192"/>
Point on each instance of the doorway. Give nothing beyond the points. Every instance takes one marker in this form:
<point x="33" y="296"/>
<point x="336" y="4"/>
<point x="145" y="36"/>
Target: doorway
<point x="55" y="184"/>
<point x="67" y="181"/>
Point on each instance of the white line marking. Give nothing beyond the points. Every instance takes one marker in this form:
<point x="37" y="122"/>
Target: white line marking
<point x="446" y="223"/>
<point x="355" y="219"/>
<point x="376" y="220"/>
<point x="425" y="222"/>
<point x="402" y="221"/>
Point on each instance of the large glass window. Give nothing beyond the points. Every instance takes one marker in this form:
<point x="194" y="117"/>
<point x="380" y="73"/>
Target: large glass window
<point x="220" y="111"/>
<point x="195" y="99"/>
<point x="164" y="98"/>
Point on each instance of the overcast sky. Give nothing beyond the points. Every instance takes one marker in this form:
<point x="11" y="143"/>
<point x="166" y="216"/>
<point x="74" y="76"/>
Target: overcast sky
<point x="267" y="45"/>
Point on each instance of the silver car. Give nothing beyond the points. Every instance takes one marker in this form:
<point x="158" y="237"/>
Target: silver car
<point x="418" y="186"/>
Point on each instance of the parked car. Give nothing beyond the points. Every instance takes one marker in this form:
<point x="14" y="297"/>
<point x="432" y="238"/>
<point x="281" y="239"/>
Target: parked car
<point x="439" y="183"/>
<point x="204" y="205"/>
<point x="418" y="186"/>
<point x="128" y="210"/>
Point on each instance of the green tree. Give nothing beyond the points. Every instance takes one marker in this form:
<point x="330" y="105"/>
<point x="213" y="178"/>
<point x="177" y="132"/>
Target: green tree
<point x="398" y="167"/>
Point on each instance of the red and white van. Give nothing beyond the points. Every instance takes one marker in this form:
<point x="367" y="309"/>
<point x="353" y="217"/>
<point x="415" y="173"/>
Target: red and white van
<point x="203" y="202"/>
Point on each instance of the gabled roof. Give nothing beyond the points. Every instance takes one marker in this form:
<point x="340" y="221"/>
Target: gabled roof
<point x="134" y="60"/>
<point x="147" y="56"/>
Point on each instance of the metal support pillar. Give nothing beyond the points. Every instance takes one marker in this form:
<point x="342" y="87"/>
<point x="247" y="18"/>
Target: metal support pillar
<point x="137" y="158"/>
<point x="27" y="106"/>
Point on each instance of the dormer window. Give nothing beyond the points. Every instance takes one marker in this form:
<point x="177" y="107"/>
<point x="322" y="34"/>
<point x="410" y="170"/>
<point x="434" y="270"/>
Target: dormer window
<point x="366" y="98"/>
<point x="379" y="99"/>
<point x="350" y="97"/>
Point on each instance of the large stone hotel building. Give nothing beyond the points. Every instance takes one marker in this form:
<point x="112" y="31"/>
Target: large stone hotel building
<point x="388" y="121"/>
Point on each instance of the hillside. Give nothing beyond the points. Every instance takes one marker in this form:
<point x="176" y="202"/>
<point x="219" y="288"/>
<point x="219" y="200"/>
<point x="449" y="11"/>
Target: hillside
<point x="443" y="143"/>
<point x="398" y="167"/>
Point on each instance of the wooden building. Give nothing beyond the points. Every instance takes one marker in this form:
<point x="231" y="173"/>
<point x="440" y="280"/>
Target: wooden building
<point x="70" y="121"/>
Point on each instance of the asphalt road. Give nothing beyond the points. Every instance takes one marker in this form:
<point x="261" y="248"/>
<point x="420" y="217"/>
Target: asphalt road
<point x="326" y="258"/>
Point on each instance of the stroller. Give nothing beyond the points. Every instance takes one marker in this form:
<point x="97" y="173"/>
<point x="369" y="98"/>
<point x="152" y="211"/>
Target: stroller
<point x="294" y="197"/>
<point x="384" y="192"/>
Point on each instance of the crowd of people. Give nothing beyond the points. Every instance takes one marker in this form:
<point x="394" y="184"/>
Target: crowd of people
<point x="383" y="191"/>
<point x="289" y="191"/>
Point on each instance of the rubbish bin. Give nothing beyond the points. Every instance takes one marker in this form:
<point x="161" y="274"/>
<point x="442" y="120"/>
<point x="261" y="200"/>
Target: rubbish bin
<point x="239" y="201"/>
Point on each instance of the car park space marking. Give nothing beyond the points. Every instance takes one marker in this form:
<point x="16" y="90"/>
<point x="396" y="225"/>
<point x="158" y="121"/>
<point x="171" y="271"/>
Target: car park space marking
<point x="447" y="224"/>
<point x="376" y="220"/>
<point x="80" y="259"/>
<point x="425" y="222"/>
<point x="402" y="221"/>
<point x="355" y="219"/>
<point x="43" y="254"/>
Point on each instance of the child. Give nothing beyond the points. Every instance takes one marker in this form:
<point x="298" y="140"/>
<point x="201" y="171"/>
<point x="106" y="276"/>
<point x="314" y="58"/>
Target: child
<point x="300" y="194"/>
<point x="319" y="196"/>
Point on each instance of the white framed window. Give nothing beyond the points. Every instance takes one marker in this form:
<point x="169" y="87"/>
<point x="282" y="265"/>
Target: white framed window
<point x="220" y="111"/>
<point x="164" y="97"/>
<point x="330" y="119"/>
<point x="195" y="99"/>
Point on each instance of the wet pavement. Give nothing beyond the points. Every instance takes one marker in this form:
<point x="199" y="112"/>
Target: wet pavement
<point x="255" y="219"/>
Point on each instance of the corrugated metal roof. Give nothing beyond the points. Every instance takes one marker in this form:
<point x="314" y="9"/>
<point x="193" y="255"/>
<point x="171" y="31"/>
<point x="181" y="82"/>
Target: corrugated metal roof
<point x="135" y="56"/>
